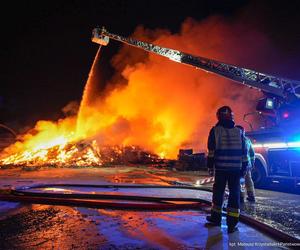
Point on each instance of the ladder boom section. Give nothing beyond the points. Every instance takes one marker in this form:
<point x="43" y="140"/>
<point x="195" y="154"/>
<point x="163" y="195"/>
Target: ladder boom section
<point x="273" y="85"/>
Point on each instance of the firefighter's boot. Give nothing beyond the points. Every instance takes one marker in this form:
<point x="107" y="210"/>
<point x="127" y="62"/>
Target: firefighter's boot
<point x="231" y="230"/>
<point x="251" y="199"/>
<point x="216" y="216"/>
<point x="213" y="221"/>
<point x="232" y="219"/>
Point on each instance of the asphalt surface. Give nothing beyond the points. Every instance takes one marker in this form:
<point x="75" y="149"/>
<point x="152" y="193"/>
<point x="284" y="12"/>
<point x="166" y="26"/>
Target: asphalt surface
<point x="61" y="227"/>
<point x="279" y="209"/>
<point x="55" y="227"/>
<point x="276" y="209"/>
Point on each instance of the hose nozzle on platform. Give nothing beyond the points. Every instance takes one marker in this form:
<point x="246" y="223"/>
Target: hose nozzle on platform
<point x="99" y="37"/>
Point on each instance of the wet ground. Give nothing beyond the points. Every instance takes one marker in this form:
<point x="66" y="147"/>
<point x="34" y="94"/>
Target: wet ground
<point x="48" y="227"/>
<point x="61" y="227"/>
<point x="56" y="227"/>
<point x="279" y="210"/>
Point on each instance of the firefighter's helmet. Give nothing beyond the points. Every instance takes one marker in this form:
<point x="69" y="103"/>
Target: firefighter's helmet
<point x="225" y="113"/>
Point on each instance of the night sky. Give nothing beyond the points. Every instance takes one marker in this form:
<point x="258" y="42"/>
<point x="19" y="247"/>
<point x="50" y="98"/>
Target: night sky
<point x="47" y="53"/>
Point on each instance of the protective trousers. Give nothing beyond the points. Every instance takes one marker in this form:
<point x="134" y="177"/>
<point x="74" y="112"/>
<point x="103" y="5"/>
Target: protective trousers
<point x="232" y="178"/>
<point x="249" y="184"/>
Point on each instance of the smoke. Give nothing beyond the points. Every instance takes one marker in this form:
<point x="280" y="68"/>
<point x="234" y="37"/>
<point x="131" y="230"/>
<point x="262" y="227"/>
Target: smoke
<point x="162" y="105"/>
<point x="158" y="104"/>
<point x="71" y="109"/>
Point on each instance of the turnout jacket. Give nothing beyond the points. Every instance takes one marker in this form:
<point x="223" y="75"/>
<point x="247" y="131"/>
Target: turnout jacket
<point x="227" y="149"/>
<point x="250" y="152"/>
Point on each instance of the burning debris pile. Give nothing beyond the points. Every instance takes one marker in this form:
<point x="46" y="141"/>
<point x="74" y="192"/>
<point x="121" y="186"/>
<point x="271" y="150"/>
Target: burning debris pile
<point x="80" y="154"/>
<point x="71" y="154"/>
<point x="79" y="140"/>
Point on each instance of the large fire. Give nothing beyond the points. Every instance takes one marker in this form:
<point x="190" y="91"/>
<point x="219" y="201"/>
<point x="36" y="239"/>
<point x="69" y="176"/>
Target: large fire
<point x="155" y="104"/>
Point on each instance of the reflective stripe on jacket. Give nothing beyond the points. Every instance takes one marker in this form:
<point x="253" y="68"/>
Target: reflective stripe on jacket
<point x="230" y="148"/>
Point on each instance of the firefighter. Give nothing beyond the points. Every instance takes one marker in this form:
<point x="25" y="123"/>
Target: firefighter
<point x="227" y="159"/>
<point x="249" y="185"/>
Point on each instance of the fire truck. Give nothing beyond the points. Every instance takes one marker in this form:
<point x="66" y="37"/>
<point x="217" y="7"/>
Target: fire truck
<point x="277" y="142"/>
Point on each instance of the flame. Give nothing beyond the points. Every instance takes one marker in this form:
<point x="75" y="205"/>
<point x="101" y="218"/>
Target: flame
<point x="155" y="104"/>
<point x="58" y="143"/>
<point x="52" y="144"/>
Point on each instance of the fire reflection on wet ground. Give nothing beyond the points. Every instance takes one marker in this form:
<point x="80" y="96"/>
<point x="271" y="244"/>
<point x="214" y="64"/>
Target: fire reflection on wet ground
<point x="47" y="227"/>
<point x="58" y="227"/>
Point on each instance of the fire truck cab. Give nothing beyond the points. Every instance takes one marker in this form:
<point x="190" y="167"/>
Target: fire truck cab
<point x="277" y="158"/>
<point x="277" y="145"/>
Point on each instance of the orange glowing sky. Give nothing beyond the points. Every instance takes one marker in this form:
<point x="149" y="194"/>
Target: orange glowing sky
<point x="153" y="102"/>
<point x="163" y="105"/>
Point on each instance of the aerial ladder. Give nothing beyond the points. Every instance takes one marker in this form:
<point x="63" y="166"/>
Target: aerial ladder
<point x="281" y="94"/>
<point x="271" y="85"/>
<point x="276" y="155"/>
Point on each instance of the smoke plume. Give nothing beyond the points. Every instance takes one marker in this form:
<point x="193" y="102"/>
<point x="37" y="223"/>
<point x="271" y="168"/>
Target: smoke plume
<point x="162" y="105"/>
<point x="155" y="103"/>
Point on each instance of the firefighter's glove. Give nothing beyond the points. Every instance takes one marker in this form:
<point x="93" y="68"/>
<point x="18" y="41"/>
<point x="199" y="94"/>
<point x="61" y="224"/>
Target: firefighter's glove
<point x="210" y="172"/>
